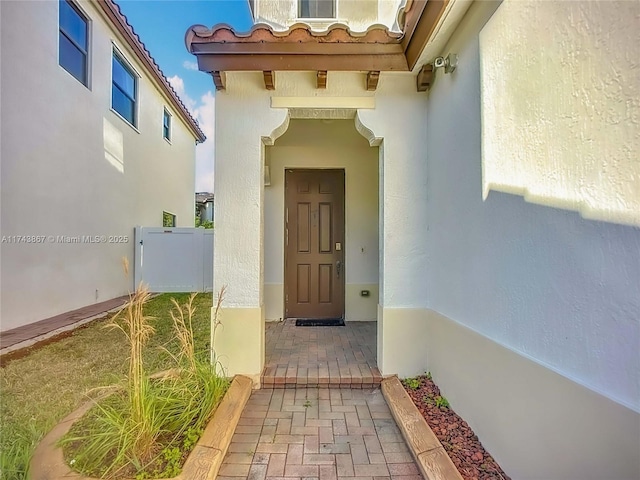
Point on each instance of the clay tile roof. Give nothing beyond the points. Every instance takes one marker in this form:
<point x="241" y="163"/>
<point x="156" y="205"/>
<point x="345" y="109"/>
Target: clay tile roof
<point x="221" y="48"/>
<point x="119" y="20"/>
<point x="297" y="33"/>
<point x="203" y="197"/>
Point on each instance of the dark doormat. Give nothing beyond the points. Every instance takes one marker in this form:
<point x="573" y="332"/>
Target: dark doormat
<point x="319" y="322"/>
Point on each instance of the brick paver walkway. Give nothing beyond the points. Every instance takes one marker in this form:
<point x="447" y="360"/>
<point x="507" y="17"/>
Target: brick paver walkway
<point x="335" y="357"/>
<point x="33" y="331"/>
<point x="317" y="433"/>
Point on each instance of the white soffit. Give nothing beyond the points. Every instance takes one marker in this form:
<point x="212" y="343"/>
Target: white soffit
<point x="324" y="102"/>
<point x="454" y="11"/>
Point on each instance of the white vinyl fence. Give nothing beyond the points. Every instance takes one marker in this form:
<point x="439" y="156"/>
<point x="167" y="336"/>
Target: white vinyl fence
<point x="174" y="259"/>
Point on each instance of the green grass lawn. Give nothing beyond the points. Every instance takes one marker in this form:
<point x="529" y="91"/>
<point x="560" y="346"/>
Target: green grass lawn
<point x="40" y="389"/>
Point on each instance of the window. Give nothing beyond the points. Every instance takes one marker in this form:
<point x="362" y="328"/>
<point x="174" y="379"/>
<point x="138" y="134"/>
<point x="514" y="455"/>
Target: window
<point x="124" y="89"/>
<point x="166" y="125"/>
<point x="168" y="219"/>
<point x="316" y="8"/>
<point x="73" y="51"/>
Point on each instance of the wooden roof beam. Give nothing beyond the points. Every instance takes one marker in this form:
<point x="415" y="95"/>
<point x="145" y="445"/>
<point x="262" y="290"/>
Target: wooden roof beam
<point x="342" y="63"/>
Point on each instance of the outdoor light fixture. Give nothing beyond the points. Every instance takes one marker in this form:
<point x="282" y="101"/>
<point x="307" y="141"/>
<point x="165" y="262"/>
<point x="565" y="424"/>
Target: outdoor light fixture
<point x="450" y="62"/>
<point x="427" y="73"/>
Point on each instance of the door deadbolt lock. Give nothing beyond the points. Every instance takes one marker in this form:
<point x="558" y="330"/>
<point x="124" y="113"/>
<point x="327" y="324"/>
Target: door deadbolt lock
<point x="338" y="246"/>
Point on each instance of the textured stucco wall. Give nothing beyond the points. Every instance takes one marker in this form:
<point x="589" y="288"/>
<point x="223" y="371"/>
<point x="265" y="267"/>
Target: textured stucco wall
<point x="245" y="113"/>
<point x="70" y="166"/>
<point x="543" y="282"/>
<point x="328" y="144"/>
<point x="561" y="105"/>
<point x="243" y="117"/>
<point x="399" y="120"/>
<point x="357" y="14"/>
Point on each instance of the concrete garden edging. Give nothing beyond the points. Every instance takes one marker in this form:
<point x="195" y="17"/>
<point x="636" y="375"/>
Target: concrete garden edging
<point x="433" y="461"/>
<point x="203" y="462"/>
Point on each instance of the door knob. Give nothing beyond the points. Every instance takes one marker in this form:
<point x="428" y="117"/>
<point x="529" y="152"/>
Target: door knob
<point x="338" y="265"/>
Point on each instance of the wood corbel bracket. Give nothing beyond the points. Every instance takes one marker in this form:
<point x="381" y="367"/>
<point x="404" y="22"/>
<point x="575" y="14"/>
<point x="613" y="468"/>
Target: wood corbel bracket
<point x="269" y="79"/>
<point x="372" y="80"/>
<point x="218" y="79"/>
<point x="321" y="79"/>
<point x="425" y="78"/>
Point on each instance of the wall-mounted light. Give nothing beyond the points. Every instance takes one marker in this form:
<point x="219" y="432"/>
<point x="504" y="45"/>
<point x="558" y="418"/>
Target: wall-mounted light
<point x="450" y="62"/>
<point x="427" y="73"/>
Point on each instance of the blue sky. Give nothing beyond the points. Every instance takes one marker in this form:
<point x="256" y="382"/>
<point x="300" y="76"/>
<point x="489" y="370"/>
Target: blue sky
<point x="161" y="25"/>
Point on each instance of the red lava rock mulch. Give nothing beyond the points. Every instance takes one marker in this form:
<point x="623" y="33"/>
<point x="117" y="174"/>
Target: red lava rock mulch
<point x="461" y="444"/>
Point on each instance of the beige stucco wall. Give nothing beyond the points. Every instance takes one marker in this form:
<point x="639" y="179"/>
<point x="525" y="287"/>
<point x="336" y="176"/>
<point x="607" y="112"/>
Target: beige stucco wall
<point x="327" y="144"/>
<point x="71" y="166"/>
<point x="575" y="145"/>
<point x="358" y="15"/>
<point x="537" y="423"/>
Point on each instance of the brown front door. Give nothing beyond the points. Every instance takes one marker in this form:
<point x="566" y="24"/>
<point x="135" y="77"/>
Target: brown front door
<point x="314" y="243"/>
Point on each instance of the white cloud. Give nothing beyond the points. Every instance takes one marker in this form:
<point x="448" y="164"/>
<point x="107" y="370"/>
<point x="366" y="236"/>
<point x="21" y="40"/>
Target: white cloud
<point x="190" y="65"/>
<point x="204" y="112"/>
<point x="178" y="85"/>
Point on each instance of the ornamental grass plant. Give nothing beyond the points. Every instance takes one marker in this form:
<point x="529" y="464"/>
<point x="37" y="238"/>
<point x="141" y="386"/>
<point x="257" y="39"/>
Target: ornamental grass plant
<point x="147" y="427"/>
<point x="46" y="383"/>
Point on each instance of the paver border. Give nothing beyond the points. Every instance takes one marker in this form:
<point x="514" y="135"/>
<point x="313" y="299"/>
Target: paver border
<point x="203" y="462"/>
<point x="433" y="461"/>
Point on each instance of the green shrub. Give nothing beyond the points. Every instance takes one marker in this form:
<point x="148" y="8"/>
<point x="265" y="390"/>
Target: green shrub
<point x="412" y="383"/>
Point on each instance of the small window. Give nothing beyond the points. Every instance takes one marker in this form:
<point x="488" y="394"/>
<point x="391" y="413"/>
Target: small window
<point x="166" y="125"/>
<point x="316" y="8"/>
<point x="124" y="89"/>
<point x="168" y="219"/>
<point x="73" y="51"/>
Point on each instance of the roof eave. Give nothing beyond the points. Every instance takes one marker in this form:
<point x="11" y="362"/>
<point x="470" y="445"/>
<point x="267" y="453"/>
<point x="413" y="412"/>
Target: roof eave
<point x="117" y="18"/>
<point x="221" y="49"/>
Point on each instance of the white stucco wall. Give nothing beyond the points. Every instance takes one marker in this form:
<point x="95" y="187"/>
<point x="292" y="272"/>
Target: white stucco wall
<point x="546" y="284"/>
<point x="71" y="166"/>
<point x="543" y="281"/>
<point x="358" y="15"/>
<point x="561" y="105"/>
<point x="250" y="117"/>
<point x="327" y="144"/>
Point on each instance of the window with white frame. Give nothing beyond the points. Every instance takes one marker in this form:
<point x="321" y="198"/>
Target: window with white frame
<point x="166" y="125"/>
<point x="316" y="9"/>
<point x="168" y="219"/>
<point x="124" y="89"/>
<point x="73" y="41"/>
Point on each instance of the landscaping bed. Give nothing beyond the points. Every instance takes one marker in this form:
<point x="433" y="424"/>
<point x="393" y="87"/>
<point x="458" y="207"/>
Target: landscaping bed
<point x="456" y="436"/>
<point x="203" y="462"/>
<point x="42" y="387"/>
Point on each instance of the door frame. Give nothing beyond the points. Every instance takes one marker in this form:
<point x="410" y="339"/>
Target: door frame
<point x="344" y="230"/>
